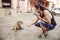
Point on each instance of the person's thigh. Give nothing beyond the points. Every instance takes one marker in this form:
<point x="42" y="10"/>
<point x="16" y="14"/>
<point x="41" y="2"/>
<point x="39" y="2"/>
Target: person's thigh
<point x="48" y="26"/>
<point x="37" y="24"/>
<point x="41" y="22"/>
<point x="44" y="24"/>
<point x="51" y="26"/>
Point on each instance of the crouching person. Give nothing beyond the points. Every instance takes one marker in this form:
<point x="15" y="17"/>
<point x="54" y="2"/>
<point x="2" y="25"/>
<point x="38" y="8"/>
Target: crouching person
<point x="47" y="19"/>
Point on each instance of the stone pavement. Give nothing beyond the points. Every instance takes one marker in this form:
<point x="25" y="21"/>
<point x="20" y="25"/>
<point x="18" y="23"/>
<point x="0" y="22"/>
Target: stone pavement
<point x="28" y="33"/>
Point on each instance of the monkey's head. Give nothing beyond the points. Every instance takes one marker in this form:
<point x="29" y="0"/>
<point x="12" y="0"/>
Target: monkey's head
<point x="20" y="22"/>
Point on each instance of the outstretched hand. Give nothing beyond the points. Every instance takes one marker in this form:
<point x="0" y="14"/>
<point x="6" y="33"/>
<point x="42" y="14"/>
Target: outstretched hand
<point x="29" y="25"/>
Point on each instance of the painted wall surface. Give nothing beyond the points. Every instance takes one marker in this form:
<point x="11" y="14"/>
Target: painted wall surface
<point x="0" y="4"/>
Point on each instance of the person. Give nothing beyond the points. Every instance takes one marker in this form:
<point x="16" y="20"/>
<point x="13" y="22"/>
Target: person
<point x="47" y="19"/>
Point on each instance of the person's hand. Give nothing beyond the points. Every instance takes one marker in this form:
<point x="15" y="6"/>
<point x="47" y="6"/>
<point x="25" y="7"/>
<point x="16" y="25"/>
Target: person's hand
<point x="39" y="17"/>
<point x="29" y="25"/>
<point x="36" y="13"/>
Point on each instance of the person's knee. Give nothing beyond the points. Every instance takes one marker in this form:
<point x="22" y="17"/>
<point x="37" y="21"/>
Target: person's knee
<point x="37" y="24"/>
<point x="43" y="23"/>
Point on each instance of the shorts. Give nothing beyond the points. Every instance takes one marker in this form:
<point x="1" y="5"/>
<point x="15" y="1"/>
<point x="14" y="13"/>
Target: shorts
<point x="48" y="26"/>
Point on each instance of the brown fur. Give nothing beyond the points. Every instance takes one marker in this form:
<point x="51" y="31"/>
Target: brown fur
<point x="17" y="25"/>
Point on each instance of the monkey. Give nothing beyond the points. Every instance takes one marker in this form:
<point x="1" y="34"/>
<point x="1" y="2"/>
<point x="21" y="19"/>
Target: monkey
<point x="17" y="25"/>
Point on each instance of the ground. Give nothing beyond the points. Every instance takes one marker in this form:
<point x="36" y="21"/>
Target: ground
<point x="28" y="33"/>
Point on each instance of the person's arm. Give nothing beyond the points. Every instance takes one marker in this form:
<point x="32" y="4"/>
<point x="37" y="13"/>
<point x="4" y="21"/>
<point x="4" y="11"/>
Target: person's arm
<point x="47" y="18"/>
<point x="34" y="21"/>
<point x="38" y="16"/>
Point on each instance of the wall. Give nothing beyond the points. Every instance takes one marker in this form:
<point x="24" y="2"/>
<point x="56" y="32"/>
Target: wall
<point x="57" y="3"/>
<point x="0" y="4"/>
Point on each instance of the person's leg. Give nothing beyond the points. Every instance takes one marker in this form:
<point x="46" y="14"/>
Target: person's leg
<point x="41" y="25"/>
<point x="37" y="24"/>
<point x="43" y="28"/>
<point x="46" y="27"/>
<point x="51" y="27"/>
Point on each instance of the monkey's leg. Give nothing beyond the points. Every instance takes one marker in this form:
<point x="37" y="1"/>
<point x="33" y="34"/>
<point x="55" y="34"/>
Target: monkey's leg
<point x="15" y="28"/>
